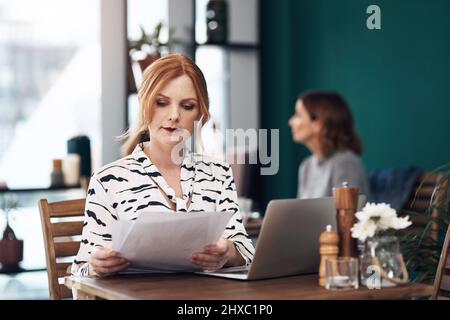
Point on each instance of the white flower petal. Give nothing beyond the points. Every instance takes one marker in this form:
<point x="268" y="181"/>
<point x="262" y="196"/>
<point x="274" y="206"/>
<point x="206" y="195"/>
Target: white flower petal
<point x="385" y="217"/>
<point x="363" y="230"/>
<point x="402" y="223"/>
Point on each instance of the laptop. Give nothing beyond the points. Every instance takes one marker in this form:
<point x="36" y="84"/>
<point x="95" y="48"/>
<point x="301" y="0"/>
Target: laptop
<point x="288" y="243"/>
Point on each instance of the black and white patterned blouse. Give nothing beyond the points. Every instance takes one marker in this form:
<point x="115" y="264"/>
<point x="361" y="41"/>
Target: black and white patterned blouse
<point x="129" y="186"/>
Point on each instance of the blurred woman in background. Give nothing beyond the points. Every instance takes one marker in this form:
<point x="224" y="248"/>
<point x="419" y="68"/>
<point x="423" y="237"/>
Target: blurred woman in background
<point x="324" y="124"/>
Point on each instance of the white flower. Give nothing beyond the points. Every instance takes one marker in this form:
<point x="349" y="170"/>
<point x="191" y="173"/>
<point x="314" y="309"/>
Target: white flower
<point x="364" y="229"/>
<point x="373" y="210"/>
<point x="377" y="217"/>
<point x="401" y="223"/>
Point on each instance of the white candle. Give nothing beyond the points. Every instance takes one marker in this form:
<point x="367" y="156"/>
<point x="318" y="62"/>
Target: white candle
<point x="71" y="169"/>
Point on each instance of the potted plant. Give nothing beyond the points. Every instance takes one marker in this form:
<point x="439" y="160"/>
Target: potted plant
<point x="149" y="47"/>
<point x="11" y="249"/>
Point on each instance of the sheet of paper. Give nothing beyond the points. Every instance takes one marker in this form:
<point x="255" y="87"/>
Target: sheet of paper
<point x="166" y="241"/>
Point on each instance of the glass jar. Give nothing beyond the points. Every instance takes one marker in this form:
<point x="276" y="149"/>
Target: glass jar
<point x="381" y="263"/>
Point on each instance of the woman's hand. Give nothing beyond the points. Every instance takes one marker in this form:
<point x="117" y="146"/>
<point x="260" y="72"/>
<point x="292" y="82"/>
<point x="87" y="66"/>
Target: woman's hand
<point x="215" y="256"/>
<point x="104" y="262"/>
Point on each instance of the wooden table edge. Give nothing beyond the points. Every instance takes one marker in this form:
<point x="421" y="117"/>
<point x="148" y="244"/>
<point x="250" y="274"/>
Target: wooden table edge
<point x="87" y="292"/>
<point x="415" y="290"/>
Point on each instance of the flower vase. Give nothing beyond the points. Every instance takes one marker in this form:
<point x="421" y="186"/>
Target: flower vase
<point x="11" y="251"/>
<point x="382" y="264"/>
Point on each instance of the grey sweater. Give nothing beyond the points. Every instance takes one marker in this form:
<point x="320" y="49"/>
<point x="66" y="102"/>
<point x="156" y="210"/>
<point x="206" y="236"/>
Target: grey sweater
<point x="318" y="177"/>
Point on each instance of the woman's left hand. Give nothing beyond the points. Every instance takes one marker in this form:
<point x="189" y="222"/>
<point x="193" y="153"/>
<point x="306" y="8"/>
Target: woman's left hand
<point x="214" y="256"/>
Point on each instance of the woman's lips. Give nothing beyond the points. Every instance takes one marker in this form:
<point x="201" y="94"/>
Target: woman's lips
<point x="169" y="129"/>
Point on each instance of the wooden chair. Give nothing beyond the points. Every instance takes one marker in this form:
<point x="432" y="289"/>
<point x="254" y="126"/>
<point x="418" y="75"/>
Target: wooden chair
<point x="429" y="189"/>
<point x="424" y="190"/>
<point x="61" y="221"/>
<point x="442" y="280"/>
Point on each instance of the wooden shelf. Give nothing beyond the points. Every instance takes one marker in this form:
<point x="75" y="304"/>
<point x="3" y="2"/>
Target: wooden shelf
<point x="21" y="270"/>
<point x="25" y="190"/>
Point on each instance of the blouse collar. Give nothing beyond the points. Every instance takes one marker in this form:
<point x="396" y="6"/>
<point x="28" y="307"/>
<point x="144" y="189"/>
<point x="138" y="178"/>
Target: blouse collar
<point x="187" y="176"/>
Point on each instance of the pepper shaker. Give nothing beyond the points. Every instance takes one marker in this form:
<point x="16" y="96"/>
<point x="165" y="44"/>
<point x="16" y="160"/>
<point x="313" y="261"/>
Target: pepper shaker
<point x="346" y="202"/>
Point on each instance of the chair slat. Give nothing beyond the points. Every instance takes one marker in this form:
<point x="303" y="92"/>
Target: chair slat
<point x="72" y="228"/>
<point x="422" y="191"/>
<point x="66" y="249"/>
<point x="420" y="220"/>
<point x="418" y="205"/>
<point x="427" y="179"/>
<point x="445" y="283"/>
<point x="62" y="270"/>
<point x="67" y="208"/>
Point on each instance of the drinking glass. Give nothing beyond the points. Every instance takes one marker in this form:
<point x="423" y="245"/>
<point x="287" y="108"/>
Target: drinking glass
<point x="341" y="273"/>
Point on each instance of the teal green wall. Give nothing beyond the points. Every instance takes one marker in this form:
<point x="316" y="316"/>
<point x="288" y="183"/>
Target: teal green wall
<point x="396" y="80"/>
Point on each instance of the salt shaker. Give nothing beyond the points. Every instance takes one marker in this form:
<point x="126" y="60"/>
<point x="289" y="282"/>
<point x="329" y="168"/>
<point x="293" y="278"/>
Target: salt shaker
<point x="71" y="165"/>
<point x="329" y="248"/>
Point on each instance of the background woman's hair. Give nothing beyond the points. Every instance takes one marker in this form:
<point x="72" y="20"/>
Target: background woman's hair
<point x="155" y="77"/>
<point x="338" y="132"/>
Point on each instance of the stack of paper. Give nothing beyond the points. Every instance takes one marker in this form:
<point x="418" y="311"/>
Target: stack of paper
<point x="166" y="241"/>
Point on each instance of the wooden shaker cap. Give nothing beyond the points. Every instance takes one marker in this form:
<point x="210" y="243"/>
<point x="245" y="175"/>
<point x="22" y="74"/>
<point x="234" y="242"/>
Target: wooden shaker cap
<point x="345" y="197"/>
<point x="329" y="236"/>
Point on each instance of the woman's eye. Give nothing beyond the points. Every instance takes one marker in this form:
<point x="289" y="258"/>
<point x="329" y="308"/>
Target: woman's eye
<point x="188" y="106"/>
<point x="161" y="103"/>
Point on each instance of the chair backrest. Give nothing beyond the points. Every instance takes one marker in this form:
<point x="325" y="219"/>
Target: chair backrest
<point x="429" y="189"/>
<point x="442" y="280"/>
<point x="424" y="189"/>
<point x="61" y="223"/>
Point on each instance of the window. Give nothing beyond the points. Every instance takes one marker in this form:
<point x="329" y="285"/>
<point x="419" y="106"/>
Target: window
<point x="146" y="14"/>
<point x="49" y="85"/>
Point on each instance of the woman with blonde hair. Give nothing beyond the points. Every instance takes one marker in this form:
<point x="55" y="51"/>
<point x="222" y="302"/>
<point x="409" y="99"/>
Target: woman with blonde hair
<point x="173" y="97"/>
<point x="324" y="124"/>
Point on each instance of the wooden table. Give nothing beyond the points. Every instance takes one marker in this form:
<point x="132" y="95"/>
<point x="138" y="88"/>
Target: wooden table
<point x="200" y="287"/>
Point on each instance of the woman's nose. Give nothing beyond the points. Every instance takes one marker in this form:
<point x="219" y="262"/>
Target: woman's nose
<point x="174" y="114"/>
<point x="290" y="121"/>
